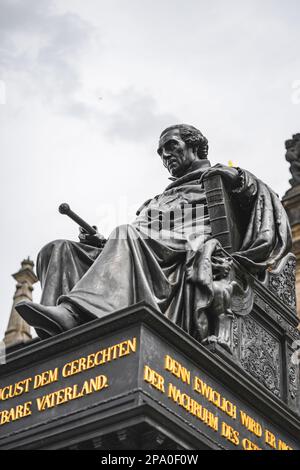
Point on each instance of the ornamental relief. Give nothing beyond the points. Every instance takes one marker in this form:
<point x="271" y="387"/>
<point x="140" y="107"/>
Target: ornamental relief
<point x="260" y="355"/>
<point x="283" y="284"/>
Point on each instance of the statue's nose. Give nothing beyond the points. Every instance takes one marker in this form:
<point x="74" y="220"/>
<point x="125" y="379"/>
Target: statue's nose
<point x="165" y="153"/>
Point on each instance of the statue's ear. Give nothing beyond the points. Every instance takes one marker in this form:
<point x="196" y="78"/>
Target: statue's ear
<point x="195" y="150"/>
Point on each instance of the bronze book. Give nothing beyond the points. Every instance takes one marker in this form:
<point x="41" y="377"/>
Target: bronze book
<point x="222" y="214"/>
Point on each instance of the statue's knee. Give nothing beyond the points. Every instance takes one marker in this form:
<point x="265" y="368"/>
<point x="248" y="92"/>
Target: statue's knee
<point x="122" y="232"/>
<point x="54" y="245"/>
<point x="45" y="254"/>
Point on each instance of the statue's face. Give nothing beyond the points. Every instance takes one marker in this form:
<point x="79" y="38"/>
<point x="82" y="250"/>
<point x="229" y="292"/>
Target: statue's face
<point x="293" y="152"/>
<point x="175" y="154"/>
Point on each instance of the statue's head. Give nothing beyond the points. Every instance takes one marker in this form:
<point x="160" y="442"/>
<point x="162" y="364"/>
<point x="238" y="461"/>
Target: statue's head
<point x="293" y="148"/>
<point x="179" y="146"/>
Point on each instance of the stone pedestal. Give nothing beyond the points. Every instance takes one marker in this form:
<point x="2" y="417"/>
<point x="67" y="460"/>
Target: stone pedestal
<point x="134" y="380"/>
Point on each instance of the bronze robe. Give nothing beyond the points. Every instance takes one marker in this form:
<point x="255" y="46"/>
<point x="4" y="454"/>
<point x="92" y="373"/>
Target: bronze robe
<point x="134" y="266"/>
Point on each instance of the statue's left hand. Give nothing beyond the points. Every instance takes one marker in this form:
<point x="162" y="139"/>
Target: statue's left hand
<point x="221" y="265"/>
<point x="230" y="175"/>
<point x="97" y="240"/>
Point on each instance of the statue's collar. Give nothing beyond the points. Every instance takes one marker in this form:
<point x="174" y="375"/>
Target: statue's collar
<point x="194" y="172"/>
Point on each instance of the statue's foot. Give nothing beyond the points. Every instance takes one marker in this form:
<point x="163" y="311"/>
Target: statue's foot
<point x="48" y="321"/>
<point x="210" y="339"/>
<point x="217" y="340"/>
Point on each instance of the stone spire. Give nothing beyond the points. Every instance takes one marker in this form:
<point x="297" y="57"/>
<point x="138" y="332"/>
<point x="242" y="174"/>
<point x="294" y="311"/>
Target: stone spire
<point x="18" y="331"/>
<point x="291" y="202"/>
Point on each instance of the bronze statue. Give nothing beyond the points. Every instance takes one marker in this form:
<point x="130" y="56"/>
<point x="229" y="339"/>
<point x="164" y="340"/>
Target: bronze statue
<point x="293" y="157"/>
<point x="167" y="257"/>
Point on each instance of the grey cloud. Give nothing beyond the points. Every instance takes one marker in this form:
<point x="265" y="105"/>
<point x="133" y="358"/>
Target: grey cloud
<point x="17" y="15"/>
<point x="56" y="39"/>
<point x="52" y="67"/>
<point x="137" y="117"/>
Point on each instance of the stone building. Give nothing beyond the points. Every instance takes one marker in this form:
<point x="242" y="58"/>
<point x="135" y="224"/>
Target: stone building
<point x="18" y="331"/>
<point x="291" y="202"/>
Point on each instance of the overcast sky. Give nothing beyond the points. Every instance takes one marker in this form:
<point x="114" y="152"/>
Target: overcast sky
<point x="86" y="86"/>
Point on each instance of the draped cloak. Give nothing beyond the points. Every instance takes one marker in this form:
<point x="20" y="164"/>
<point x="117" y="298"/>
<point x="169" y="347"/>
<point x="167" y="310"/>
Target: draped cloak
<point x="149" y="259"/>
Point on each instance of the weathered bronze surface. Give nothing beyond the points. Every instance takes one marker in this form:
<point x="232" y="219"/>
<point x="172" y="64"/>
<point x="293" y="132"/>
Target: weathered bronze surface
<point x="180" y="255"/>
<point x="293" y="157"/>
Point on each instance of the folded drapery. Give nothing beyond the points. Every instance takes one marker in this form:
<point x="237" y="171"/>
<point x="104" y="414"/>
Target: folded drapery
<point x="150" y="260"/>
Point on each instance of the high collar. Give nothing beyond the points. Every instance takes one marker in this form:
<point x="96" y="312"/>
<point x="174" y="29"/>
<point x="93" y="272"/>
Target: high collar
<point x="194" y="172"/>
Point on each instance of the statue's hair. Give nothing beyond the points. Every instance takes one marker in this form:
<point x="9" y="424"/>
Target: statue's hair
<point x="291" y="142"/>
<point x="192" y="137"/>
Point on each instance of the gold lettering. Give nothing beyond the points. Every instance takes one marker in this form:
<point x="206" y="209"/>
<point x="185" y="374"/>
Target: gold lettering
<point x="230" y="434"/>
<point x="15" y="390"/>
<point x="270" y="439"/>
<point x="177" y="369"/>
<point x="114" y="350"/>
<point x="249" y="445"/>
<point x="106" y="355"/>
<point x="68" y="393"/>
<point x="283" y="446"/>
<point x="214" y="397"/>
<point x="193" y="407"/>
<point x="100" y="357"/>
<point x="173" y="393"/>
<point x="154" y="379"/>
<point x="72" y="393"/>
<point x="6" y="393"/>
<point x="66" y="370"/>
<point x="252" y="425"/>
<point x="42" y="402"/>
<point x="82" y="364"/>
<point x="60" y="397"/>
<point x="123" y="348"/>
<point x="213" y="421"/>
<point x="46" y="378"/>
<point x="202" y="388"/>
<point x="131" y="345"/>
<point x="14" y="414"/>
<point x="90" y="363"/>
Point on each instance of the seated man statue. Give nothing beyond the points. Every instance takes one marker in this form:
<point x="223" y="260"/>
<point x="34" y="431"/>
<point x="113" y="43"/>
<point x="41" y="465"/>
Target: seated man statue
<point x="171" y="266"/>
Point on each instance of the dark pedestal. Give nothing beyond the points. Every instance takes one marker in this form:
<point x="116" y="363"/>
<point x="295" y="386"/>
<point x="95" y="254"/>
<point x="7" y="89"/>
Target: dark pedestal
<point x="133" y="380"/>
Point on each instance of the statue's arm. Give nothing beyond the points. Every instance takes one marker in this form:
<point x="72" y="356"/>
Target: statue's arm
<point x="238" y="182"/>
<point x="96" y="240"/>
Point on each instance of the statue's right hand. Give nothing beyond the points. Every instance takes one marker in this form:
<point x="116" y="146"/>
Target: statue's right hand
<point x="97" y="240"/>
